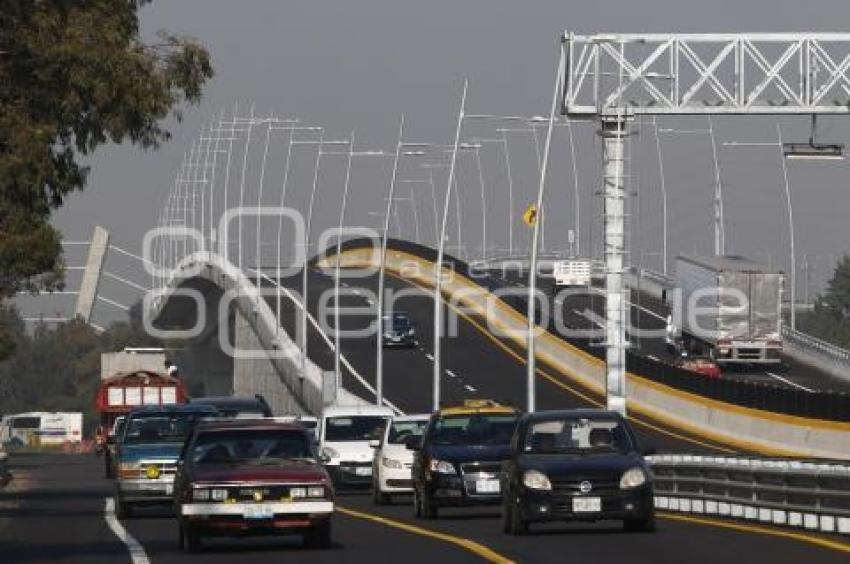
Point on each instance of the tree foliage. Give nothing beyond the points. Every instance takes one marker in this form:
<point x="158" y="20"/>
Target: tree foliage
<point x="75" y="74"/>
<point x="830" y="319"/>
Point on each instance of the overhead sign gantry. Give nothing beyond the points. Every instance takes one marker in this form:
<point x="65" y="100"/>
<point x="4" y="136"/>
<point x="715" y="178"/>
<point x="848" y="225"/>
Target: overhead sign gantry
<point x="613" y="77"/>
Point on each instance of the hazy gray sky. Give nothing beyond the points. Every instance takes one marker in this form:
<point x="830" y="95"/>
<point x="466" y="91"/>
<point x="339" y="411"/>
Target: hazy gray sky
<point x="362" y="63"/>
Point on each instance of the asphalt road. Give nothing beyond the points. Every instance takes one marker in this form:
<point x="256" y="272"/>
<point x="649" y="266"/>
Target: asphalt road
<point x="59" y="517"/>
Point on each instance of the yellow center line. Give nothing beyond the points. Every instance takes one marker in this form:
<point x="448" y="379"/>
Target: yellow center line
<point x="758" y="529"/>
<point x="557" y="381"/>
<point x="472" y="546"/>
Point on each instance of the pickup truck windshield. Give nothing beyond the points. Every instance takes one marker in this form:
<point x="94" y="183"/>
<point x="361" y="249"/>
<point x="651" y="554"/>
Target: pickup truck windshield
<point x="251" y="446"/>
<point x="354" y="428"/>
<point x="577" y="436"/>
<point x="475" y="429"/>
<point x="160" y="427"/>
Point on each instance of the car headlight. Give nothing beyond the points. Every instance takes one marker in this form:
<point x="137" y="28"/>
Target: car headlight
<point x="441" y="466"/>
<point x="391" y="463"/>
<point x="218" y="494"/>
<point x="316" y="491"/>
<point x="330" y="452"/>
<point x="297" y="493"/>
<point x="536" y="480"/>
<point x="201" y="495"/>
<point x="632" y="478"/>
<point x="129" y="470"/>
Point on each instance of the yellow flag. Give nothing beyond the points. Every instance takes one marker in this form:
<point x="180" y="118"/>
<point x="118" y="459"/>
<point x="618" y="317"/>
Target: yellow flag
<point x="530" y="215"/>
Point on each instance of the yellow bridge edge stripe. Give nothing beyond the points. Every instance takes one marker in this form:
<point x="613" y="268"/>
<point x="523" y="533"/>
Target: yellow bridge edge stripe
<point x="758" y="529"/>
<point x="472" y="546"/>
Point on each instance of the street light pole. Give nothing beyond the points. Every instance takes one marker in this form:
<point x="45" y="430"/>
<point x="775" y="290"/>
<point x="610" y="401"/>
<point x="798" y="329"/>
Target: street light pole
<point x="337" y="340"/>
<point x="790" y="230"/>
<point x="510" y="195"/>
<point x="379" y="336"/>
<point x="483" y="205"/>
<point x="438" y="269"/>
<point x="663" y="186"/>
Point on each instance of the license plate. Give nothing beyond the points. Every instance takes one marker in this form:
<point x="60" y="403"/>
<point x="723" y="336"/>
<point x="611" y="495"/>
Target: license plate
<point x="258" y="512"/>
<point x="487" y="486"/>
<point x="587" y="504"/>
<point x="363" y="471"/>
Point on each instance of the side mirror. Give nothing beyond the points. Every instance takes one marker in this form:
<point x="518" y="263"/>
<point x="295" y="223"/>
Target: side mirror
<point x="374" y="443"/>
<point x="413" y="442"/>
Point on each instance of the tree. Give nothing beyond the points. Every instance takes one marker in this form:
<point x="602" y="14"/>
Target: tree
<point x="75" y="74"/>
<point x="830" y="319"/>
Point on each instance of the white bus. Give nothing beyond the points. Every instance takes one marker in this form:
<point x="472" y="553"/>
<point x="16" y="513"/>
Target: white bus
<point x="41" y="428"/>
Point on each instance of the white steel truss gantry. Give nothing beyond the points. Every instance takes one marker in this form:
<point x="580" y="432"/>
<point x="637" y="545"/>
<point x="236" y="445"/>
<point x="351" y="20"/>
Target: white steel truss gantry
<point x="614" y="77"/>
<point x="706" y="73"/>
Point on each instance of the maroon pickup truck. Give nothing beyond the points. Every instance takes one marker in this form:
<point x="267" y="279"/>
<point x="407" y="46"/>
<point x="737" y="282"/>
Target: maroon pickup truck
<point x="261" y="477"/>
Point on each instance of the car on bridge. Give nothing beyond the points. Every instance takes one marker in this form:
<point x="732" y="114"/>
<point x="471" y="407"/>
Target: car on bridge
<point x="148" y="451"/>
<point x="391" y="468"/>
<point x="458" y="460"/>
<point x="235" y="407"/>
<point x="577" y="465"/>
<point x="243" y="477"/>
<point x="397" y="330"/>
<point x="346" y="436"/>
<point x="699" y="364"/>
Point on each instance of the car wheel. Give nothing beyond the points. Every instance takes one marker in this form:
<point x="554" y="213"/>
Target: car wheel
<point x="641" y="525"/>
<point x="122" y="509"/>
<point x="319" y="536"/>
<point x="190" y="538"/>
<point x="379" y="497"/>
<point x="427" y="509"/>
<point x="516" y="525"/>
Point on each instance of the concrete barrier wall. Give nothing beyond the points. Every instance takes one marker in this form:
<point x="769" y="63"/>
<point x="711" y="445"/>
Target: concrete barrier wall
<point x="271" y="351"/>
<point x="739" y="427"/>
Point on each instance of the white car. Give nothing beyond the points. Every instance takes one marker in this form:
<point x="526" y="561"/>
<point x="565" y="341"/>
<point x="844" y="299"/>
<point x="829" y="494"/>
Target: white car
<point x="346" y="441"/>
<point x="393" y="460"/>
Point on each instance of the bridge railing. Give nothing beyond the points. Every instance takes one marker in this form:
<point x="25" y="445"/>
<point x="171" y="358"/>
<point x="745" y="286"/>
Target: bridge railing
<point x="804" y="341"/>
<point x="807" y="495"/>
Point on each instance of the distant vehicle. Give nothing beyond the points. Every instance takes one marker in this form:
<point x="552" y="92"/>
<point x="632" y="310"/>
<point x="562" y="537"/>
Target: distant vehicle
<point x="571" y="272"/>
<point x="148" y="450"/>
<point x="245" y="477"/>
<point x="398" y="330"/>
<point x="582" y="465"/>
<point x="39" y="428"/>
<point x="730" y="310"/>
<point x="391" y="468"/>
<point x="235" y="407"/>
<point x="700" y="365"/>
<point x="458" y="461"/>
<point x="118" y="394"/>
<point x="346" y="436"/>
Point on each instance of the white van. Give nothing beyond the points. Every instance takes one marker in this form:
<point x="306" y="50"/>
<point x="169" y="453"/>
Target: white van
<point x="346" y="436"/>
<point x="41" y="428"/>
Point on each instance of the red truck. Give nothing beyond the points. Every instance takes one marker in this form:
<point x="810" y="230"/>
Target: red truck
<point x="118" y="395"/>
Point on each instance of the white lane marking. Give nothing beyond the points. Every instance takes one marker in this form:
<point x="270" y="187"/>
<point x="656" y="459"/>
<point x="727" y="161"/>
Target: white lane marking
<point x="450" y="373"/>
<point x="357" y="292"/>
<point x="590" y="316"/>
<point x="136" y="550"/>
<point x="640" y="307"/>
<point x="430" y="356"/>
<point x="653" y="357"/>
<point x="787" y="381"/>
<point x="470" y="388"/>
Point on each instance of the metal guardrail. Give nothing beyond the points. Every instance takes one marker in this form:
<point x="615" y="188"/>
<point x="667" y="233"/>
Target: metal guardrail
<point x="834" y="352"/>
<point x="808" y="495"/>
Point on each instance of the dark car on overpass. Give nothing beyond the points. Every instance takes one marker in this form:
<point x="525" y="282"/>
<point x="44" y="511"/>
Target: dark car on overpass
<point x="458" y="460"/>
<point x="398" y="330"/>
<point x="577" y="465"/>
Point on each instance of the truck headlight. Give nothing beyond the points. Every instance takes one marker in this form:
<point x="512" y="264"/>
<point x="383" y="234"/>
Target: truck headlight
<point x="536" y="480"/>
<point x="632" y="478"/>
<point x="391" y="463"/>
<point x="218" y="494"/>
<point x="297" y="493"/>
<point x="316" y="491"/>
<point x="201" y="495"/>
<point x="441" y="466"/>
<point x="129" y="470"/>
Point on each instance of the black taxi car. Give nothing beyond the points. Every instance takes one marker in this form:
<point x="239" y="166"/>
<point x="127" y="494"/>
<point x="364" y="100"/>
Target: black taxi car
<point x="458" y="460"/>
<point x="579" y="464"/>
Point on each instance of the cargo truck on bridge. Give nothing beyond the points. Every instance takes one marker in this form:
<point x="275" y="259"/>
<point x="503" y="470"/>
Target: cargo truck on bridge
<point x="728" y="308"/>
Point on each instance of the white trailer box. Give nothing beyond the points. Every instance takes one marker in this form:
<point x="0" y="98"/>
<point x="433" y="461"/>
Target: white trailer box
<point x="732" y="306"/>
